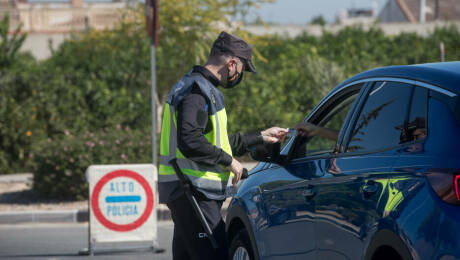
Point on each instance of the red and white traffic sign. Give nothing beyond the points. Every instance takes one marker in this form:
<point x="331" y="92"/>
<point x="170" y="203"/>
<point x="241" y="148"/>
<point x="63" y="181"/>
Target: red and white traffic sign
<point x="122" y="202"/>
<point x="124" y="190"/>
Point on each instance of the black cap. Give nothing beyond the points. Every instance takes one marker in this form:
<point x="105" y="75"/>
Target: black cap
<point x="236" y="46"/>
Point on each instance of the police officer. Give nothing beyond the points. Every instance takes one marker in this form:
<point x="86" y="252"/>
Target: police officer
<point x="194" y="131"/>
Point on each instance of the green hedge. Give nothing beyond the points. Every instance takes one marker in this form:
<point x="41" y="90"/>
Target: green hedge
<point x="60" y="165"/>
<point x="98" y="80"/>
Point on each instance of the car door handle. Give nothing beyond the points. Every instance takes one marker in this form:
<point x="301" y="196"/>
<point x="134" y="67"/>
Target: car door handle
<point x="309" y="192"/>
<point x="369" y="189"/>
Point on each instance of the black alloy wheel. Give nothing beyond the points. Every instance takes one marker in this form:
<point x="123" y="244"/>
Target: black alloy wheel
<point x="240" y="247"/>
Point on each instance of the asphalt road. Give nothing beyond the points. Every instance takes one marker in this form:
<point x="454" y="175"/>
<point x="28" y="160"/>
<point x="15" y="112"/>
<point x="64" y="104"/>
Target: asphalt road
<point x="64" y="241"/>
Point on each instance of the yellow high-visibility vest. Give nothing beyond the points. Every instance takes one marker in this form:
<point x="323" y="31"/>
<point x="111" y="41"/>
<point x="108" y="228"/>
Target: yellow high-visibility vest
<point x="209" y="180"/>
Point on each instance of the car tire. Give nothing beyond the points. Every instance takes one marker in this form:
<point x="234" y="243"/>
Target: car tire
<point x="386" y="252"/>
<point x="387" y="245"/>
<point x="240" y="247"/>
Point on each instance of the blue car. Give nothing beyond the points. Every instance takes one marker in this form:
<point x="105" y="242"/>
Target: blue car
<point x="383" y="184"/>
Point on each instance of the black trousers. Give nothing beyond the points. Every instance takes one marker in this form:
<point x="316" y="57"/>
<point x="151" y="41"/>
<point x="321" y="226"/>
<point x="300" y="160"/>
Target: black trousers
<point x="190" y="240"/>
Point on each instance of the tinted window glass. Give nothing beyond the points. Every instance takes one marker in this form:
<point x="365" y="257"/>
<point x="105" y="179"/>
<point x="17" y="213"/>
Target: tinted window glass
<point x="381" y="121"/>
<point x="332" y="121"/>
<point x="416" y="127"/>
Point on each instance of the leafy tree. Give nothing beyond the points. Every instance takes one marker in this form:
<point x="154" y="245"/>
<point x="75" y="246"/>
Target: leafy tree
<point x="9" y="46"/>
<point x="18" y="124"/>
<point x="318" y="20"/>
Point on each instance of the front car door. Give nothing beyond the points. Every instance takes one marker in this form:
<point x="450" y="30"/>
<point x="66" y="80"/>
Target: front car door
<point x="289" y="190"/>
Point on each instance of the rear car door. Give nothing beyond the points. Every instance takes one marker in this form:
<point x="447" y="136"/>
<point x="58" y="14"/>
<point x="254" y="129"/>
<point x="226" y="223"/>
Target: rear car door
<point x="352" y="191"/>
<point x="412" y="161"/>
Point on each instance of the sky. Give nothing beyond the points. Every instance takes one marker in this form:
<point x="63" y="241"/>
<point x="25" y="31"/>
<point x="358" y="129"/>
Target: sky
<point x="294" y="11"/>
<point x="302" y="11"/>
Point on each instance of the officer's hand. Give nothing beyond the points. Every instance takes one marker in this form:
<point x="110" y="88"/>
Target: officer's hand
<point x="274" y="134"/>
<point x="237" y="169"/>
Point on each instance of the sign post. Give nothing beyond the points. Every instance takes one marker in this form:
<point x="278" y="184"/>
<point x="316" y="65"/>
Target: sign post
<point x="151" y="9"/>
<point x="122" y="205"/>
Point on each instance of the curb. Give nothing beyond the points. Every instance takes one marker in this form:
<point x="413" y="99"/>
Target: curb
<point x="65" y="216"/>
<point x="60" y="216"/>
<point x="17" y="178"/>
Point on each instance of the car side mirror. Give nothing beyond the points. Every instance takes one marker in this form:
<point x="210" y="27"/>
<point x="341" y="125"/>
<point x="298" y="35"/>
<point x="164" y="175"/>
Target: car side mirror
<point x="272" y="152"/>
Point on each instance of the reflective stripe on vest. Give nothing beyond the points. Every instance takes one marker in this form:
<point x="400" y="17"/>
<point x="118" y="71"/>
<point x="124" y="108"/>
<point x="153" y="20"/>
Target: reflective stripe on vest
<point x="208" y="179"/>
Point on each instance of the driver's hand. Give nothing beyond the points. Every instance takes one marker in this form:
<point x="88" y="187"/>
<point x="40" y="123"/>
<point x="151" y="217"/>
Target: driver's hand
<point x="306" y="129"/>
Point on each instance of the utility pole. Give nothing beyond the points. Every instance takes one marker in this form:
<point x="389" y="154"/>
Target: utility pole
<point x="436" y="10"/>
<point x="422" y="11"/>
<point x="151" y="9"/>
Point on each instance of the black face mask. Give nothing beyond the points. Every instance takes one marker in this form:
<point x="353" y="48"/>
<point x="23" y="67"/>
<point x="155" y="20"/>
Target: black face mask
<point x="234" y="80"/>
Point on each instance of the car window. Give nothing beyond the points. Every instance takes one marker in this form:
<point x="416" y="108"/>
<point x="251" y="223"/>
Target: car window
<point x="416" y="127"/>
<point x="331" y="119"/>
<point x="381" y="122"/>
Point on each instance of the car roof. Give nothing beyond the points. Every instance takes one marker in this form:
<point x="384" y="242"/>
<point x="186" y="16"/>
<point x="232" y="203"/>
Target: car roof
<point x="443" y="74"/>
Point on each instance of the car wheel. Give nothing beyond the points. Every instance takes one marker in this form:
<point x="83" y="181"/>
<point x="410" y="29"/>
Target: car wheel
<point x="240" y="247"/>
<point x="386" y="252"/>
